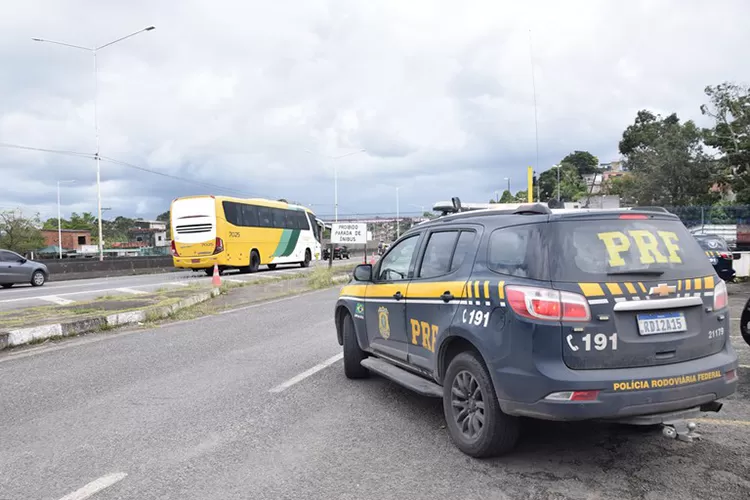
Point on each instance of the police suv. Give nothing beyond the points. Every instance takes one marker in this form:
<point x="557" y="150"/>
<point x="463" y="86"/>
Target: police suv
<point x="527" y="311"/>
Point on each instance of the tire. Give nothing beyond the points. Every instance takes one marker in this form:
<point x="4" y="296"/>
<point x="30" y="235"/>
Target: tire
<point x="353" y="355"/>
<point x="6" y="285"/>
<point x="745" y="322"/>
<point x="254" y="261"/>
<point x="499" y="432"/>
<point x="38" y="278"/>
<point x="271" y="266"/>
<point x="308" y="258"/>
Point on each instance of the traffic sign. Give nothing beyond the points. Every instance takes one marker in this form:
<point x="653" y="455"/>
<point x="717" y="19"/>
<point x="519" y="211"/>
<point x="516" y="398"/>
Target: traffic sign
<point x="348" y="233"/>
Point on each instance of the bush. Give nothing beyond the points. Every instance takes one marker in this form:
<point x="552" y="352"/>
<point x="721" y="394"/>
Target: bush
<point x="321" y="277"/>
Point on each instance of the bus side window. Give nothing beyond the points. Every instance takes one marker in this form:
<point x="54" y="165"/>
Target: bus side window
<point x="264" y="217"/>
<point x="249" y="215"/>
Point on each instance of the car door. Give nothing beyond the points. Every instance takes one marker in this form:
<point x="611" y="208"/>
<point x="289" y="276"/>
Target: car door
<point x="435" y="292"/>
<point x="6" y="266"/>
<point x="18" y="270"/>
<point x="385" y="299"/>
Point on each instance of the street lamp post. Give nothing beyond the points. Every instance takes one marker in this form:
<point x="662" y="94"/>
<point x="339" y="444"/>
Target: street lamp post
<point x="94" y="51"/>
<point x="398" y="214"/>
<point x="59" y="217"/>
<point x="336" y="179"/>
<point x="508" y="179"/>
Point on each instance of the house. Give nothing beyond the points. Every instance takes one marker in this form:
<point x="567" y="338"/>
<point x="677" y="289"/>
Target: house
<point x="149" y="237"/>
<point x="72" y="239"/>
<point x="150" y="224"/>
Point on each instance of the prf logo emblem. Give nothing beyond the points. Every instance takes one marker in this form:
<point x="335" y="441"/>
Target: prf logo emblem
<point x="383" y="325"/>
<point x="662" y="290"/>
<point x="360" y="308"/>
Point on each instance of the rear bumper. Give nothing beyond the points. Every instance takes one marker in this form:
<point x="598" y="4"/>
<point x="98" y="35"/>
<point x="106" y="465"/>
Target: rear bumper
<point x="623" y="392"/>
<point x="203" y="262"/>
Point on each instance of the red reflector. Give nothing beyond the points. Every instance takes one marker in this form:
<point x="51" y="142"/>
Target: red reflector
<point x="730" y="375"/>
<point x="575" y="311"/>
<point x="584" y="396"/>
<point x="633" y="216"/>
<point x="546" y="308"/>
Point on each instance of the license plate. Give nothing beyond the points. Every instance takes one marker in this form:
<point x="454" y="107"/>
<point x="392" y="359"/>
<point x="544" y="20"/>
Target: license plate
<point x="651" y="324"/>
<point x="196" y="261"/>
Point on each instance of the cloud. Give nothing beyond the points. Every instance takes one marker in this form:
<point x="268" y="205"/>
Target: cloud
<point x="439" y="93"/>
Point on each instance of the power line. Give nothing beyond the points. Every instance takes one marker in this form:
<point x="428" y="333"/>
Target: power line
<point x="176" y="177"/>
<point x="42" y="150"/>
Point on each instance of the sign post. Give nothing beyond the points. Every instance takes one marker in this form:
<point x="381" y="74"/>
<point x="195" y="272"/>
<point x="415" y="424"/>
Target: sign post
<point x="349" y="234"/>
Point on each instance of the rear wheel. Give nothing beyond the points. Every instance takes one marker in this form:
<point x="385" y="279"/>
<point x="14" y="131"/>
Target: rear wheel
<point x="38" y="278"/>
<point x="308" y="258"/>
<point x="353" y="355"/>
<point x="271" y="266"/>
<point x="254" y="261"/>
<point x="476" y="424"/>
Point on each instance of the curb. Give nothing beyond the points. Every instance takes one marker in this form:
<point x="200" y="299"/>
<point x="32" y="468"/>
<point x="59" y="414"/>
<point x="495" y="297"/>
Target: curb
<point x="22" y="336"/>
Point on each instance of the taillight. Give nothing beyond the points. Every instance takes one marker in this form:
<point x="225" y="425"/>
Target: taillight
<point x="219" y="247"/>
<point x="174" y="250"/>
<point x="727" y="256"/>
<point x="545" y="304"/>
<point x="720" y="296"/>
<point x="573" y="396"/>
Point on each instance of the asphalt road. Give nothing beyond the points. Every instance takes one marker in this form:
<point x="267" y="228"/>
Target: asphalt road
<point x="66" y="292"/>
<point x="253" y="403"/>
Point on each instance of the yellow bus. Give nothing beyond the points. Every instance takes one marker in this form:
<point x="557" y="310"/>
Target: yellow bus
<point x="243" y="234"/>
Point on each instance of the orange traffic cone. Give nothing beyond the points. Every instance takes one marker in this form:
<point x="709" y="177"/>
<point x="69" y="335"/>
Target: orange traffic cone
<point x="372" y="259"/>
<point x="216" y="280"/>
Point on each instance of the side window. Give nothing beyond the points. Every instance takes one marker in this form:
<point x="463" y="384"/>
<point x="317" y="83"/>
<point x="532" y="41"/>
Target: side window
<point x="6" y="256"/>
<point x="437" y="255"/>
<point x="249" y="215"/>
<point x="231" y="213"/>
<point x="395" y="265"/>
<point x="511" y="250"/>
<point x="264" y="217"/>
<point x="464" y="248"/>
<point x="279" y="219"/>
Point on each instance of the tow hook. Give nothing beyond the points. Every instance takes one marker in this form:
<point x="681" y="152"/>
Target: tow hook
<point x="681" y="430"/>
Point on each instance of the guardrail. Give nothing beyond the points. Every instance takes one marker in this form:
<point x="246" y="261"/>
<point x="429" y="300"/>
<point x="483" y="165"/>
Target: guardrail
<point x="71" y="269"/>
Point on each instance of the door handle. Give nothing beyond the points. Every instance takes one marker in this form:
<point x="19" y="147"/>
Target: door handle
<point x="398" y="296"/>
<point x="447" y="296"/>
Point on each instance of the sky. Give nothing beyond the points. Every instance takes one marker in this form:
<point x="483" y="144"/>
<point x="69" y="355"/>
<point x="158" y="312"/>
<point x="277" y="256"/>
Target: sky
<point x="254" y="99"/>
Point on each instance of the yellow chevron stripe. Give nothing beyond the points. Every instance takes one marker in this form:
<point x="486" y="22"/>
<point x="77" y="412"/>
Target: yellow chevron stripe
<point x="643" y="288"/>
<point x="631" y="288"/>
<point x="679" y="285"/>
<point x="501" y="290"/>
<point x="688" y="283"/>
<point x="468" y="290"/>
<point x="476" y="290"/>
<point x="708" y="282"/>
<point x="487" y="290"/>
<point x="591" y="289"/>
<point x="614" y="288"/>
<point x="698" y="283"/>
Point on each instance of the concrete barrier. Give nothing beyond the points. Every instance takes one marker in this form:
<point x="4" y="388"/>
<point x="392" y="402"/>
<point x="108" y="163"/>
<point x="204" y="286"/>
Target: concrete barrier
<point x="71" y="269"/>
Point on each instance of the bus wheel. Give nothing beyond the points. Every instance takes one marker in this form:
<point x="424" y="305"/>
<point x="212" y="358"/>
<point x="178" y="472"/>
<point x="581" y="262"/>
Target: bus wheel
<point x="254" y="261"/>
<point x="308" y="258"/>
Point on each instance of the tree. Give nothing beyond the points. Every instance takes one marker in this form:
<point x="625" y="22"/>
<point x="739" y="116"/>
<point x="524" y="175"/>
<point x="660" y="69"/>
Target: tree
<point x="507" y="197"/>
<point x="166" y="217"/>
<point x="20" y="234"/>
<point x="667" y="162"/>
<point x="730" y="109"/>
<point x="522" y="197"/>
<point x="572" y="186"/>
<point x="585" y="162"/>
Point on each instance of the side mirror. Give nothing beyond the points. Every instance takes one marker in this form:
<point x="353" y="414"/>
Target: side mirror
<point x="23" y="260"/>
<point x="363" y="272"/>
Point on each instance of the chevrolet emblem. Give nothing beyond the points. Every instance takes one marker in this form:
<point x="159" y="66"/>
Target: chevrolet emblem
<point x="662" y="290"/>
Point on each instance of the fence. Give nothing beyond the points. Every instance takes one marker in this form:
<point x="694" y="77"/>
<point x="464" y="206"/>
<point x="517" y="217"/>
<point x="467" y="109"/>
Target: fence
<point x="731" y="222"/>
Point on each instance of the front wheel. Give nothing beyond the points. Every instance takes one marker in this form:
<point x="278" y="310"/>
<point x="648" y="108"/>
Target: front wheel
<point x="308" y="258"/>
<point x="353" y="355"/>
<point x="476" y="424"/>
<point x="38" y="278"/>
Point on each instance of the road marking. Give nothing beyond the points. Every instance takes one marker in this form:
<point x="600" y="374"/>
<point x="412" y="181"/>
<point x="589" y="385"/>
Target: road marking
<point x="177" y="283"/>
<point x="722" y="421"/>
<point x="744" y="366"/>
<point x="302" y="376"/>
<point x="131" y="290"/>
<point x="55" y="299"/>
<point x="96" y="486"/>
<point x="234" y="280"/>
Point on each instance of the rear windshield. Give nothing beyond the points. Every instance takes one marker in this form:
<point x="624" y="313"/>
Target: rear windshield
<point x="622" y="250"/>
<point x="716" y="244"/>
